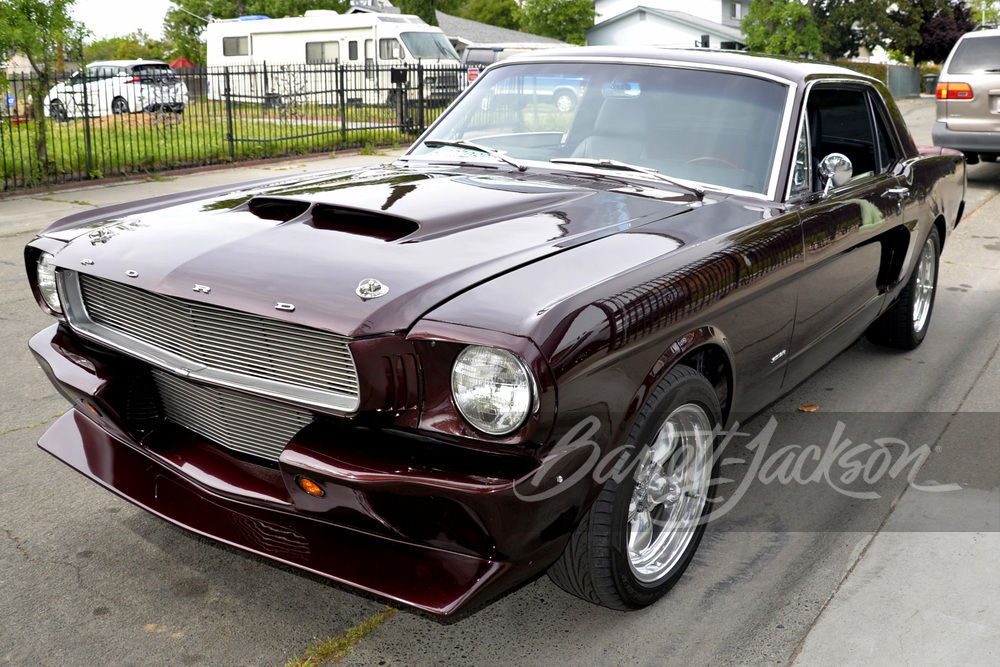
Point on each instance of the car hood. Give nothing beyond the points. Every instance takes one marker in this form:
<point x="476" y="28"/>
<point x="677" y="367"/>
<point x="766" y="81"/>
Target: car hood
<point x="307" y="244"/>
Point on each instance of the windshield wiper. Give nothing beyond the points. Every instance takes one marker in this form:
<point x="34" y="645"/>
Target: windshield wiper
<point x="605" y="163"/>
<point x="435" y="143"/>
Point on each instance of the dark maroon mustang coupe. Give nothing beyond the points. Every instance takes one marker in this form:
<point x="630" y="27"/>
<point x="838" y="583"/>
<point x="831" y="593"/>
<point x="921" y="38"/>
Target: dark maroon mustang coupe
<point x="510" y="350"/>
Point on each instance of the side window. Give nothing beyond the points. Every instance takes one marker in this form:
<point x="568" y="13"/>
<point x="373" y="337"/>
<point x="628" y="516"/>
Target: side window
<point x="322" y="52"/>
<point x="390" y="49"/>
<point x="235" y="46"/>
<point x="802" y="171"/>
<point x="352" y="50"/>
<point x="838" y="120"/>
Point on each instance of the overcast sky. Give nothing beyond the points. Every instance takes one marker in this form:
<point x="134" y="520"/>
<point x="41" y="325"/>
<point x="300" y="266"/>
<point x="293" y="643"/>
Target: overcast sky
<point x="114" y="18"/>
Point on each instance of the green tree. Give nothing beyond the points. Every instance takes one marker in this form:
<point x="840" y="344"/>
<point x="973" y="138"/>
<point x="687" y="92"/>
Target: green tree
<point x="135" y="45"/>
<point x="42" y="31"/>
<point x="501" y="13"/>
<point x="186" y="22"/>
<point x="782" y="27"/>
<point x="985" y="13"/>
<point x="906" y="34"/>
<point x="567" y="20"/>
<point x="422" y="8"/>
<point x="847" y="25"/>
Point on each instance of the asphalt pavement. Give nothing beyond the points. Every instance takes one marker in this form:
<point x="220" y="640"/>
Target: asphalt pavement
<point x="911" y="578"/>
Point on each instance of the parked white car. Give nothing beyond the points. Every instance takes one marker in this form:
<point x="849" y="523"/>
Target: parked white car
<point x="115" y="87"/>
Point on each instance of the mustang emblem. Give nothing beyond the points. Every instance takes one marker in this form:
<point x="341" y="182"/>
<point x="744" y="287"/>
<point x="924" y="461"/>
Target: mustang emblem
<point x="369" y="288"/>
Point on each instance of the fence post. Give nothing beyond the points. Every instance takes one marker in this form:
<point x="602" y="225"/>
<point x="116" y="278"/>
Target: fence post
<point x="420" y="97"/>
<point x="86" y="124"/>
<point x="229" y="115"/>
<point x="341" y="84"/>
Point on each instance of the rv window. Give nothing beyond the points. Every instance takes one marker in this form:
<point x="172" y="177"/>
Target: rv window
<point x="322" y="52"/>
<point x="390" y="49"/>
<point x="235" y="46"/>
<point x="352" y="50"/>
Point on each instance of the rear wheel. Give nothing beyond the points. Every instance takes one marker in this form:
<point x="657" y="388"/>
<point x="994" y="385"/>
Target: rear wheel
<point x="904" y="325"/>
<point x="639" y="536"/>
<point x="119" y="106"/>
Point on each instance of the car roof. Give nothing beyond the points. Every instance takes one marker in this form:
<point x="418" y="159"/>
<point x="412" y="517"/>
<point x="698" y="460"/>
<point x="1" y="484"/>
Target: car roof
<point x="798" y="71"/>
<point x="125" y="63"/>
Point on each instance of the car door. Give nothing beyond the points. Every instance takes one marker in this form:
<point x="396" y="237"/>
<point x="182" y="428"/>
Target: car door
<point x="849" y="231"/>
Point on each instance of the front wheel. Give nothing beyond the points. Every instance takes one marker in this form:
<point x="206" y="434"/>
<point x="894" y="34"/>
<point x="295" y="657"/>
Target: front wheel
<point x="119" y="106"/>
<point x="904" y="325"/>
<point x="641" y="533"/>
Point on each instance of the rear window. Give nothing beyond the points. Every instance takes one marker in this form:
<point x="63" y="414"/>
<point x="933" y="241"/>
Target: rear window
<point x="148" y="73"/>
<point x="977" y="54"/>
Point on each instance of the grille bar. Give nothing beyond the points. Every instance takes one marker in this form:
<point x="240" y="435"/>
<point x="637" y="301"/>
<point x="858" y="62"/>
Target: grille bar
<point x="244" y="424"/>
<point x="218" y="345"/>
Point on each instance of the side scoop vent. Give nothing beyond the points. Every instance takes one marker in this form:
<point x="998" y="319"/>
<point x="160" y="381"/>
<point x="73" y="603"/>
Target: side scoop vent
<point x="361" y="223"/>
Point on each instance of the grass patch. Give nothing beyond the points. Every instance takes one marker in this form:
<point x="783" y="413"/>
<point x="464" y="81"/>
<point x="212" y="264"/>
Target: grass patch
<point x="336" y="648"/>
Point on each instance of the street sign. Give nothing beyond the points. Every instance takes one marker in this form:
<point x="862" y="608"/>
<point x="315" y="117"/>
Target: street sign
<point x="473" y="74"/>
<point x="11" y="101"/>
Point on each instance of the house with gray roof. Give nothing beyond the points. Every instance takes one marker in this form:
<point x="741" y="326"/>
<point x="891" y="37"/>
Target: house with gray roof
<point x="712" y="23"/>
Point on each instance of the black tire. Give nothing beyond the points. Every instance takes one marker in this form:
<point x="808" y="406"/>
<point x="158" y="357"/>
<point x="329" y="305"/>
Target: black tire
<point x="119" y="106"/>
<point x="600" y="563"/>
<point x="904" y="325"/>
<point x="57" y="111"/>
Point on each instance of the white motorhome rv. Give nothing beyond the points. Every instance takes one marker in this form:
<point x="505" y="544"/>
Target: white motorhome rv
<point x="306" y="48"/>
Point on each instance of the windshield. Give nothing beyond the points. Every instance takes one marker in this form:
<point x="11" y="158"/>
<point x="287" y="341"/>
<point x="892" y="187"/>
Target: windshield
<point x="708" y="127"/>
<point x="431" y="45"/>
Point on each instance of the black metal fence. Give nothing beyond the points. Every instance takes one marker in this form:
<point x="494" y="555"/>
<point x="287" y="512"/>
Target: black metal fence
<point x="97" y="126"/>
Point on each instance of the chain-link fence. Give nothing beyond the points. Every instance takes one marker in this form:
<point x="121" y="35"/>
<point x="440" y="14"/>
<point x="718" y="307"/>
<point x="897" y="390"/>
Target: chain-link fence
<point x="107" y="122"/>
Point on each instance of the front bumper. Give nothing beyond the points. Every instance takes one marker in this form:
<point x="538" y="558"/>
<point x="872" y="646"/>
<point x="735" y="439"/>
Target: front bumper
<point x="967" y="142"/>
<point x="437" y="530"/>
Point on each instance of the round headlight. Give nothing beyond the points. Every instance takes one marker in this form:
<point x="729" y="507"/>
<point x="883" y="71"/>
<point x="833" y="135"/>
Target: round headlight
<point x="492" y="389"/>
<point x="47" y="282"/>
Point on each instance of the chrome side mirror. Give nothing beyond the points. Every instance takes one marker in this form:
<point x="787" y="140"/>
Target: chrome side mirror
<point x="836" y="169"/>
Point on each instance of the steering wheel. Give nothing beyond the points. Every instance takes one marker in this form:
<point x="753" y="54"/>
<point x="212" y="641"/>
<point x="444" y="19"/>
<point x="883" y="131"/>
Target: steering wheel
<point x="705" y="159"/>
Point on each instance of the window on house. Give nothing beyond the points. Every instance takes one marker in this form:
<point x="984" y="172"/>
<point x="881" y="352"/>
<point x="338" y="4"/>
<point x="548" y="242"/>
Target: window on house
<point x="736" y="10"/>
<point x="352" y="50"/>
<point x="235" y="46"/>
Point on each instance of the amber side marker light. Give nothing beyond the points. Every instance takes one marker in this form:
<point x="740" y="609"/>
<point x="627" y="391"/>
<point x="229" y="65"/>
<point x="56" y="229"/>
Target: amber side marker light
<point x="310" y="487"/>
<point x="954" y="91"/>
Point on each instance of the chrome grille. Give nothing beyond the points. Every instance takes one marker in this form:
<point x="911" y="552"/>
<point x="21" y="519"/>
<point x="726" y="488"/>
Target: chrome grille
<point x="244" y="424"/>
<point x="220" y="345"/>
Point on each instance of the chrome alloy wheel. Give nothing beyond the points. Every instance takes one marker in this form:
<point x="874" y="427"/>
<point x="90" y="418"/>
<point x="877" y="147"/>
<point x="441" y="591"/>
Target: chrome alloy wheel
<point x="924" y="287"/>
<point x="671" y="488"/>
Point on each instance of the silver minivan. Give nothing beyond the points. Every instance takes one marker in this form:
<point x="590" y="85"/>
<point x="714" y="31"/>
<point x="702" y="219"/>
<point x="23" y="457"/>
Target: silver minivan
<point x="968" y="97"/>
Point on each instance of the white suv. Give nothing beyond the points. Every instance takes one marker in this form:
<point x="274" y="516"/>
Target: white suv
<point x="115" y="87"/>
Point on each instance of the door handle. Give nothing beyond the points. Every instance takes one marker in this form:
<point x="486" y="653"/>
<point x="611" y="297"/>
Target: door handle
<point x="898" y="193"/>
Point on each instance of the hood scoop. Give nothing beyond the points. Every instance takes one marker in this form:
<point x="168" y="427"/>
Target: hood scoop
<point x="332" y="218"/>
<point x="278" y="209"/>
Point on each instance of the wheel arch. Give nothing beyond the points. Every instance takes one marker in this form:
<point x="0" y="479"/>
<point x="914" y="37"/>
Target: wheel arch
<point x="705" y="350"/>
